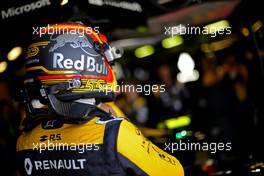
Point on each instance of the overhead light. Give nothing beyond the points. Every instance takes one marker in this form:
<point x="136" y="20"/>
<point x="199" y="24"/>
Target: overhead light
<point x="181" y="134"/>
<point x="199" y="135"/>
<point x="245" y="32"/>
<point x="257" y="25"/>
<point x="181" y="121"/>
<point x="255" y="170"/>
<point x="218" y="45"/>
<point x="186" y="67"/>
<point x="141" y="29"/>
<point x="3" y="66"/>
<point x="217" y="26"/>
<point x="14" y="53"/>
<point x="63" y="2"/>
<point x="219" y="173"/>
<point x="258" y="170"/>
<point x="184" y="78"/>
<point x="144" y="51"/>
<point x="172" y="41"/>
<point x="185" y="63"/>
<point x="228" y="172"/>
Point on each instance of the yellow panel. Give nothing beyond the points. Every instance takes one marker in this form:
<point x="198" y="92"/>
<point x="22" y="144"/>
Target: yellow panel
<point x="88" y="133"/>
<point x="152" y="160"/>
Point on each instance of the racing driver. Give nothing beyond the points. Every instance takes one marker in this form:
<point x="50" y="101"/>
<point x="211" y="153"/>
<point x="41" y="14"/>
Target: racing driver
<point x="65" y="132"/>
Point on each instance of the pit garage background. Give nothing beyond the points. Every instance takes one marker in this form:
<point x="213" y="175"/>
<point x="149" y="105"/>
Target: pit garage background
<point x="214" y="83"/>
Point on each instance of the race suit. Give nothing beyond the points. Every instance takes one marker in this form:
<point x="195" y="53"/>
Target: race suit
<point x="97" y="147"/>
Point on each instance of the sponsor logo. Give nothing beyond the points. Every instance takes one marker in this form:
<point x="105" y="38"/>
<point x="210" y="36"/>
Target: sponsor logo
<point x="14" y="11"/>
<point x="133" y="6"/>
<point x="33" y="49"/>
<point x="75" y="41"/>
<point x="51" y="137"/>
<point x="50" y="124"/>
<point x="95" y="84"/>
<point x="68" y="164"/>
<point x="43" y="138"/>
<point x="32" y="61"/>
<point x="28" y="166"/>
<point x="84" y="63"/>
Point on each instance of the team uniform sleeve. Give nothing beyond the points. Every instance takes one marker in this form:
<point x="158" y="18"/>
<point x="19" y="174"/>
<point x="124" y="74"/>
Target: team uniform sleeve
<point x="139" y="156"/>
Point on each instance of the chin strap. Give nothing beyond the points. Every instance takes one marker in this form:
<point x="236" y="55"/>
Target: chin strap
<point x="74" y="83"/>
<point x="67" y="112"/>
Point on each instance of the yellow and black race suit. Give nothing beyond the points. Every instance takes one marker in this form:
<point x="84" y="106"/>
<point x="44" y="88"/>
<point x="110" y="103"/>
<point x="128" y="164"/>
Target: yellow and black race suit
<point x="112" y="147"/>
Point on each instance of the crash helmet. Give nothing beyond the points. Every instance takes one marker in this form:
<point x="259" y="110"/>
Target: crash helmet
<point x="65" y="63"/>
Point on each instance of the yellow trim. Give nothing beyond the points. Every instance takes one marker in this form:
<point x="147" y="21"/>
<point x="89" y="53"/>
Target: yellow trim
<point x="32" y="51"/>
<point x="39" y="44"/>
<point x="83" y="79"/>
<point x="97" y="37"/>
<point x="88" y="133"/>
<point x="139" y="150"/>
<point x="49" y="71"/>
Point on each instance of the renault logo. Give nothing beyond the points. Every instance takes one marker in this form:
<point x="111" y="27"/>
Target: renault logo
<point x="28" y="166"/>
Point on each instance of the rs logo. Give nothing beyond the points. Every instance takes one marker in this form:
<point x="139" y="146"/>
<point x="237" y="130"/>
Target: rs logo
<point x="51" y="137"/>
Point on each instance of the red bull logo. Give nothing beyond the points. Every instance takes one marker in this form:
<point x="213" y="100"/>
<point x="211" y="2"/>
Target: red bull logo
<point x="75" y="40"/>
<point x="84" y="63"/>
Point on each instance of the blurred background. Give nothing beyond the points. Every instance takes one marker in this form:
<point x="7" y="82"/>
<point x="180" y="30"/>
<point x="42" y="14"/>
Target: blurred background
<point x="214" y="84"/>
